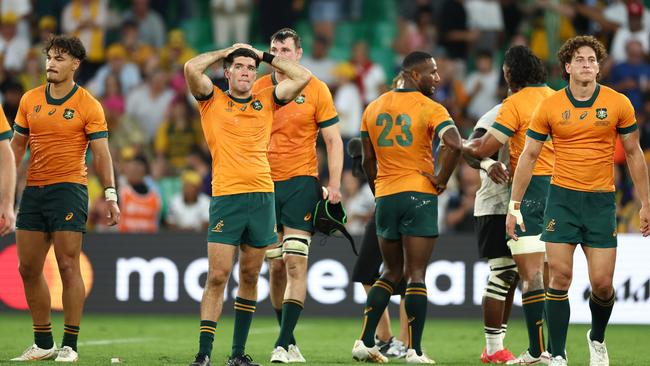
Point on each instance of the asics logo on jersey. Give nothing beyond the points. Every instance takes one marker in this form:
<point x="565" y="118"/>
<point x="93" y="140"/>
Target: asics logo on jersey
<point x="584" y="114"/>
<point x="218" y="228"/>
<point x="51" y="112"/>
<point x="37" y="108"/>
<point x="69" y="216"/>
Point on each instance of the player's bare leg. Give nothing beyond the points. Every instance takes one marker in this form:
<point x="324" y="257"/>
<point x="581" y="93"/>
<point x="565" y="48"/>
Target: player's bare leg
<point x="377" y="301"/>
<point x="560" y="267"/>
<point x="601" y="263"/>
<point x="417" y="252"/>
<point x="277" y="278"/>
<point x="32" y="248"/>
<point x="67" y="248"/>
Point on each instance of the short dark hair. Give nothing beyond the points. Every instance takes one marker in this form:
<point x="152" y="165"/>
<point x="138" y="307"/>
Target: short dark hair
<point x="67" y="44"/>
<point x="415" y="58"/>
<point x="565" y="54"/>
<point x="240" y="52"/>
<point x="285" y="33"/>
<point x="524" y="68"/>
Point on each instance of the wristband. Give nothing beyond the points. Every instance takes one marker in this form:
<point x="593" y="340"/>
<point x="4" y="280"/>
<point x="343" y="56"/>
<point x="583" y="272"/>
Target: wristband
<point x="514" y="209"/>
<point x="110" y="194"/>
<point x="487" y="163"/>
<point x="267" y="57"/>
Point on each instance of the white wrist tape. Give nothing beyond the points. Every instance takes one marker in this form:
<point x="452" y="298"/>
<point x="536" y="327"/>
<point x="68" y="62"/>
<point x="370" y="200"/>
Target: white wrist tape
<point x="110" y="194"/>
<point x="487" y="163"/>
<point x="516" y="212"/>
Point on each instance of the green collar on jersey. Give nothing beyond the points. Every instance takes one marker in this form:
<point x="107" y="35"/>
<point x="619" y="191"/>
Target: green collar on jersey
<point x="582" y="103"/>
<point x="404" y="90"/>
<point x="239" y="100"/>
<point x="53" y="101"/>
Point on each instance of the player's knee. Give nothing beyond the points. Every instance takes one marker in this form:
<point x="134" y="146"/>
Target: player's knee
<point x="29" y="272"/>
<point x="296" y="244"/>
<point x="249" y="276"/>
<point x="503" y="276"/>
<point x="392" y="275"/>
<point x="603" y="288"/>
<point x="296" y="270"/>
<point x="415" y="275"/>
<point x="217" y="278"/>
<point x="560" y="280"/>
<point x="272" y="254"/>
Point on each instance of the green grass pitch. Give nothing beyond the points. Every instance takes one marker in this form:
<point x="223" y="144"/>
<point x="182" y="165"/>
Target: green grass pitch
<point x="173" y="340"/>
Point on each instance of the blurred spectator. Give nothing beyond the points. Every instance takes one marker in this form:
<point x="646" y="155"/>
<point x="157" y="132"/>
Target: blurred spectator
<point x="371" y="78"/>
<point x="459" y="215"/>
<point x="33" y="74"/>
<point x="178" y="135"/>
<point x="482" y="86"/>
<point x="512" y="18"/>
<point x="12" y="47"/>
<point x="189" y="210"/>
<point x="618" y="12"/>
<point x="148" y="103"/>
<point x="632" y="77"/>
<point x="140" y="202"/>
<point x="136" y="50"/>
<point x="118" y="64"/>
<point x="450" y="92"/>
<point x="176" y="52"/>
<point x="47" y="27"/>
<point x="418" y="35"/>
<point x="347" y="101"/>
<point x="199" y="161"/>
<point x="456" y="36"/>
<point x="485" y="16"/>
<point x="318" y="62"/>
<point x="22" y="10"/>
<point x="359" y="203"/>
<point x="324" y="14"/>
<point x="278" y="14"/>
<point x="151" y="28"/>
<point x="12" y="91"/>
<point x="113" y="98"/>
<point x="635" y="30"/>
<point x="87" y="20"/>
<point x="230" y="21"/>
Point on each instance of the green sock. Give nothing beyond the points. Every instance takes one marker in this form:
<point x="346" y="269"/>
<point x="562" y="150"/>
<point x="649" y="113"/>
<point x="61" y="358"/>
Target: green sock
<point x="600" y="312"/>
<point x="415" y="303"/>
<point x="558" y="312"/>
<point x="376" y="303"/>
<point x="70" y="335"/>
<point x="43" y="335"/>
<point x="244" y="310"/>
<point x="278" y="315"/>
<point x="549" y="349"/>
<point x="291" y="312"/>
<point x="206" y="338"/>
<point x="533" y="305"/>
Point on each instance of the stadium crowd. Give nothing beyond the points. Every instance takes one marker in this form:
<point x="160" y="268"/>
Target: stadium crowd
<point x="136" y="51"/>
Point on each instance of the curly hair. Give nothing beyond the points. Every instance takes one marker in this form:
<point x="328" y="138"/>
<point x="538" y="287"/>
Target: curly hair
<point x="569" y="48"/>
<point x="67" y="44"/>
<point x="524" y="68"/>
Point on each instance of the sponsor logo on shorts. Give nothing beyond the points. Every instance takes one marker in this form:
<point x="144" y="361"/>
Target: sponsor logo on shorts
<point x="614" y="234"/>
<point x="308" y="216"/>
<point x="69" y="216"/>
<point x="551" y="225"/>
<point x="218" y="228"/>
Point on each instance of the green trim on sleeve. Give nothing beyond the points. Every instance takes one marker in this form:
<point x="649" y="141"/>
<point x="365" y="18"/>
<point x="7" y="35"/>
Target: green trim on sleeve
<point x="364" y="134"/>
<point x="330" y="122"/>
<point x="503" y="129"/>
<point x="205" y="97"/>
<point x="6" y="135"/>
<point x="536" y="135"/>
<point x="278" y="101"/>
<point x="97" y="135"/>
<point x="20" y="129"/>
<point x="628" y="129"/>
<point x="443" y="125"/>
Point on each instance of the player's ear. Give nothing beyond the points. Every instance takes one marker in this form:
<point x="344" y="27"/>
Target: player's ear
<point x="75" y="64"/>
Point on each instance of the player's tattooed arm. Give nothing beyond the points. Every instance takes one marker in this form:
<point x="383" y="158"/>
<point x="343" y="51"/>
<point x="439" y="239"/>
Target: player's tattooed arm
<point x="369" y="162"/>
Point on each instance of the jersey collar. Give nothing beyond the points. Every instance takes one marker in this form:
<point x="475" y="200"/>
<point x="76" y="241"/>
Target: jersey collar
<point x="404" y="90"/>
<point x="582" y="103"/>
<point x="239" y="100"/>
<point x="53" y="101"/>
